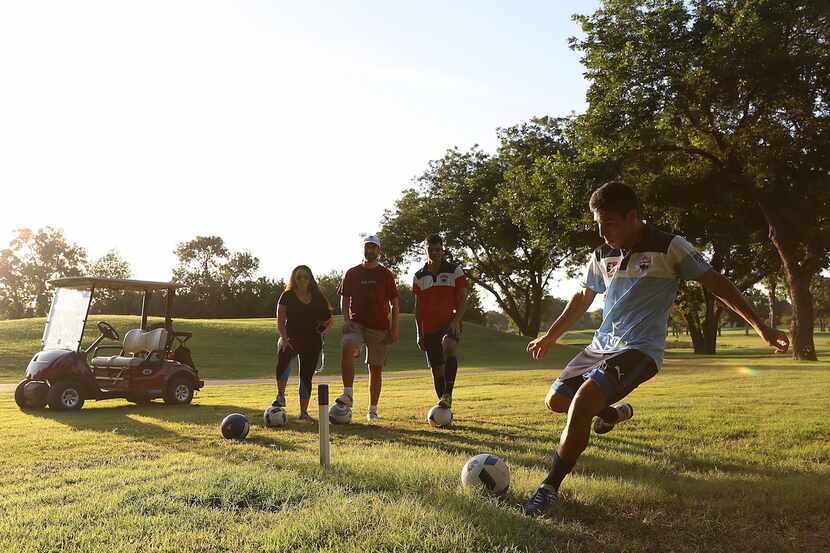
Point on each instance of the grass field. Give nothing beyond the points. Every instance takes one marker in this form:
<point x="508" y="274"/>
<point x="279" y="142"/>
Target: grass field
<point x="725" y="453"/>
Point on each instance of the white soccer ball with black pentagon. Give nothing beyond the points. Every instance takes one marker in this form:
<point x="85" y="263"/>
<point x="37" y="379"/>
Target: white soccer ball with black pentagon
<point x="488" y="471"/>
<point x="275" y="417"/>
<point x="439" y="417"/>
<point x="340" y="414"/>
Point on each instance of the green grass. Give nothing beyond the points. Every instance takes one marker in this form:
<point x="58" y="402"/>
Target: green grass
<point x="725" y="453"/>
<point x="246" y="348"/>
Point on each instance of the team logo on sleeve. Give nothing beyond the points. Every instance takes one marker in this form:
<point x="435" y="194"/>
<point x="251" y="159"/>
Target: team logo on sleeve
<point x="645" y="262"/>
<point x="697" y="256"/>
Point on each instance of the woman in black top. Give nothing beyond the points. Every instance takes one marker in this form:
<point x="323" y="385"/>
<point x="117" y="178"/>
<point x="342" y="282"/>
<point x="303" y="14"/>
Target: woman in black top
<point x="303" y="314"/>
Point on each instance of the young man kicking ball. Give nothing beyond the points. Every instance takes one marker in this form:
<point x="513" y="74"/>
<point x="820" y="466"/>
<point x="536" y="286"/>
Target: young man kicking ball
<point x="440" y="289"/>
<point x="367" y="291"/>
<point x="638" y="269"/>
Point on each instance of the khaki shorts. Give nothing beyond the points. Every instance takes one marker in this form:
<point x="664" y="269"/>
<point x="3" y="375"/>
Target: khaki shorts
<point x="355" y="334"/>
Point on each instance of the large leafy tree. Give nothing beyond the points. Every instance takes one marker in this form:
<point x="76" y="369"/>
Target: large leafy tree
<point x="741" y="87"/>
<point x="112" y="265"/>
<point x="31" y="260"/>
<point x="479" y="202"/>
<point x="216" y="281"/>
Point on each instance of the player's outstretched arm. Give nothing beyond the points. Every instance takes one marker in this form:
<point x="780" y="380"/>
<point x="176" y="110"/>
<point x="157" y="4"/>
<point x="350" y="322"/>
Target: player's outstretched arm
<point x="723" y="289"/>
<point x="577" y="306"/>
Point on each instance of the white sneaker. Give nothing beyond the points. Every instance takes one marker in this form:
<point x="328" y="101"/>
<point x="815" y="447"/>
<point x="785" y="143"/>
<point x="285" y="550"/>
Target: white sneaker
<point x="625" y="411"/>
<point x="372" y="416"/>
<point x="345" y="400"/>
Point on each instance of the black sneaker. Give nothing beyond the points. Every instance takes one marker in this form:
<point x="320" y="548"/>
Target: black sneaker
<point x="541" y="499"/>
<point x="445" y="401"/>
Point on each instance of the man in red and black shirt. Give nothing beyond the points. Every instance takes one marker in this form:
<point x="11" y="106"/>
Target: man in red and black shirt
<point x="367" y="291"/>
<point x="440" y="289"/>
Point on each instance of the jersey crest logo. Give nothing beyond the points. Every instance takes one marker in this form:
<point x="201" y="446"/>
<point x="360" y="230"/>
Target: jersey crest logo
<point x="697" y="256"/>
<point x="645" y="262"/>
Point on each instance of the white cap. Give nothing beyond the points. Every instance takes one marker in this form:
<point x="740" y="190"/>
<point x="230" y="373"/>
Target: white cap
<point x="372" y="239"/>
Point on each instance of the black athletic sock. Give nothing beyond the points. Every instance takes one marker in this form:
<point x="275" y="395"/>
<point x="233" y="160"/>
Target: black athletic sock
<point x="559" y="469"/>
<point x="450" y="370"/>
<point x="439" y="382"/>
<point x="609" y="415"/>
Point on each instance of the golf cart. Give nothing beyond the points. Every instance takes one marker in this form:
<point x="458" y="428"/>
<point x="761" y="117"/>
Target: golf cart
<point x="63" y="375"/>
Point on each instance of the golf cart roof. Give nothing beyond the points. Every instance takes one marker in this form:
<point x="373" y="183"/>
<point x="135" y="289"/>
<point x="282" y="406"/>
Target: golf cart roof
<point x="112" y="283"/>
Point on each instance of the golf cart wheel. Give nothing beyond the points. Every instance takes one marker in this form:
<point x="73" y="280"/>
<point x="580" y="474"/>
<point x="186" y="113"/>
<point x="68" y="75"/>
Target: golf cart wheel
<point x="179" y="391"/>
<point x="27" y="398"/>
<point x="66" y="395"/>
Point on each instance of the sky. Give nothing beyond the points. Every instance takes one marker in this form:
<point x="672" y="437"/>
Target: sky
<point x="286" y="128"/>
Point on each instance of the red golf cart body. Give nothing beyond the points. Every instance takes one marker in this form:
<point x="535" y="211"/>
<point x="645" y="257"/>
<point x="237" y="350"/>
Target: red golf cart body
<point x="145" y="367"/>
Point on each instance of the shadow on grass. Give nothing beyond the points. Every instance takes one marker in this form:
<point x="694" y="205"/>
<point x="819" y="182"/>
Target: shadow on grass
<point x="122" y="420"/>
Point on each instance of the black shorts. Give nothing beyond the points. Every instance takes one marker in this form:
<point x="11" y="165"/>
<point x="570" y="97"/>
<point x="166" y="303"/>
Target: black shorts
<point x="434" y="348"/>
<point x="618" y="374"/>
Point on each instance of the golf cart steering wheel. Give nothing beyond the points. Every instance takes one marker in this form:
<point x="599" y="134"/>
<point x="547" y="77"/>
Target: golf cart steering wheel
<point x="107" y="330"/>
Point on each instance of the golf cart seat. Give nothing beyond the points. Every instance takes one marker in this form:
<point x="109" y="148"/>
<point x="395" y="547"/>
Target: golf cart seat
<point x="138" y="345"/>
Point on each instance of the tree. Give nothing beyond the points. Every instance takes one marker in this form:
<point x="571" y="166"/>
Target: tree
<point x="111" y="265"/>
<point x="821" y="294"/>
<point x="15" y="299"/>
<point x="29" y="263"/>
<point x="478" y="201"/>
<point x="741" y="87"/>
<point x="328" y="284"/>
<point x="497" y="320"/>
<point x="217" y="282"/>
<point x="406" y="297"/>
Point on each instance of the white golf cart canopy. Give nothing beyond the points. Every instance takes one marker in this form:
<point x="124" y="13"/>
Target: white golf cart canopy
<point x="72" y="298"/>
<point x="112" y="284"/>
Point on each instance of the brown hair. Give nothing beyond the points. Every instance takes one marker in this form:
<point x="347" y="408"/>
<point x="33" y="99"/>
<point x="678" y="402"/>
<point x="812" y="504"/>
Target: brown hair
<point x="312" y="284"/>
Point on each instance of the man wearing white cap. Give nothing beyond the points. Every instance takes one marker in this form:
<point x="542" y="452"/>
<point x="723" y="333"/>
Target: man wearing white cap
<point x="367" y="291"/>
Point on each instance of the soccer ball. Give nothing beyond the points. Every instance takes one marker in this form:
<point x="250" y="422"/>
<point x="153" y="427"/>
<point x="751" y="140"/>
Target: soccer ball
<point x="439" y="417"/>
<point x="235" y="426"/>
<point x="486" y="470"/>
<point x="340" y="414"/>
<point x="274" y="416"/>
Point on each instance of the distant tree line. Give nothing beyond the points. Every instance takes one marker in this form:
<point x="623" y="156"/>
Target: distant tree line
<point x="216" y="282"/>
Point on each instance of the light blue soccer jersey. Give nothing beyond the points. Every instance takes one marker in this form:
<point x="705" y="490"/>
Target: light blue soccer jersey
<point x="640" y="287"/>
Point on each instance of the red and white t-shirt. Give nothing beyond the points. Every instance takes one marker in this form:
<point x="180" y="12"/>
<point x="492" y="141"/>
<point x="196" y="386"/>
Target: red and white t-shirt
<point x="436" y="293"/>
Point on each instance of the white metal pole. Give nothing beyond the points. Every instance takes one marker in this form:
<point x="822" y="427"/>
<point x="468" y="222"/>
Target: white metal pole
<point x="323" y="402"/>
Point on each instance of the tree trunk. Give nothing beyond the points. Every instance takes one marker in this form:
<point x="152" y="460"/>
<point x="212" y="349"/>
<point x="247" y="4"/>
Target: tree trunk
<point x="694" y="331"/>
<point x="799" y="269"/>
<point x="527" y="318"/>
<point x="801" y="326"/>
<point x="710" y="325"/>
<point x="773" y="284"/>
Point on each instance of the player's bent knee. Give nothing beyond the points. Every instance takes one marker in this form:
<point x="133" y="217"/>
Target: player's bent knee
<point x="557" y="403"/>
<point x="589" y="400"/>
